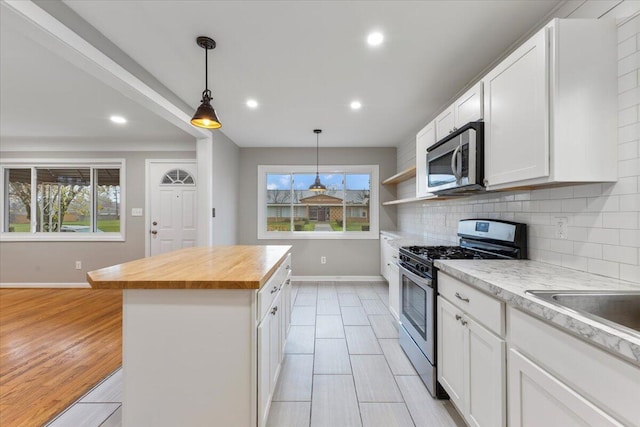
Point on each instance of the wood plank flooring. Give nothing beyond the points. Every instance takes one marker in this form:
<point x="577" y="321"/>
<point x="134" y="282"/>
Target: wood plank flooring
<point x="55" y="344"/>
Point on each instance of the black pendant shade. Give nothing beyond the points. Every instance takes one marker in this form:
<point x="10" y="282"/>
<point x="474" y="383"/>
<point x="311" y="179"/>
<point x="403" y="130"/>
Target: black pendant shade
<point x="317" y="186"/>
<point x="205" y="116"/>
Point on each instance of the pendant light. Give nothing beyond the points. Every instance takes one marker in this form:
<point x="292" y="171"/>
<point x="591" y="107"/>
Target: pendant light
<point x="205" y="116"/>
<point x="317" y="186"/>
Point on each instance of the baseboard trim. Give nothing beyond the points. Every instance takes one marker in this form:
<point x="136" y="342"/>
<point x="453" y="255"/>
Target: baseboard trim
<point x="338" y="278"/>
<point x="45" y="285"/>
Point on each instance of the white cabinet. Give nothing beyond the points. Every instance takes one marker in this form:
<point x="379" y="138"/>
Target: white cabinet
<point x="451" y="351"/>
<point x="538" y="399"/>
<point x="550" y="108"/>
<point x="556" y="379"/>
<point x="394" y="290"/>
<point x="471" y="357"/>
<point x="388" y="256"/>
<point x="424" y="139"/>
<point x="272" y="332"/>
<point x="467" y="108"/>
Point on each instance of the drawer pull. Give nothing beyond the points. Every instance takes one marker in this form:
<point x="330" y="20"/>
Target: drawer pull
<point x="274" y="310"/>
<point x="274" y="290"/>
<point x="288" y="281"/>
<point x="461" y="298"/>
<point x="288" y="267"/>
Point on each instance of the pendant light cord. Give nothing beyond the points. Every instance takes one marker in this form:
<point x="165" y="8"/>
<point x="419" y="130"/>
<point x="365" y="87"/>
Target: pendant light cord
<point x="317" y="154"/>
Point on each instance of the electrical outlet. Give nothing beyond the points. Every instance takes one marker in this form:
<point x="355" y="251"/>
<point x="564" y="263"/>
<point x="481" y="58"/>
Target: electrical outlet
<point x="561" y="227"/>
<point x="78" y="265"/>
<point x="323" y="260"/>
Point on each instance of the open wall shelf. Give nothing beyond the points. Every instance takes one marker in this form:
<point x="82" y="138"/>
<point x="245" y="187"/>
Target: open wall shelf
<point x="400" y="177"/>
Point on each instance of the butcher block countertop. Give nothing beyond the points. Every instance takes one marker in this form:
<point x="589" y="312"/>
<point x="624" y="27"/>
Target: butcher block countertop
<point x="212" y="267"/>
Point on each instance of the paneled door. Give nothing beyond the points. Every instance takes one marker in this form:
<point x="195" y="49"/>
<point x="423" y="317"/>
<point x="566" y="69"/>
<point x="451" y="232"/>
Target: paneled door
<point x="172" y="206"/>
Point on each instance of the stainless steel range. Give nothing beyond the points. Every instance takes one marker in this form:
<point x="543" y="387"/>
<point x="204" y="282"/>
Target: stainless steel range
<point x="479" y="239"/>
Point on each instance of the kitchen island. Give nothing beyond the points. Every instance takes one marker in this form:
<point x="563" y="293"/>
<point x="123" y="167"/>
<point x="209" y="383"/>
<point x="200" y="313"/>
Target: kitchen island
<point x="203" y="333"/>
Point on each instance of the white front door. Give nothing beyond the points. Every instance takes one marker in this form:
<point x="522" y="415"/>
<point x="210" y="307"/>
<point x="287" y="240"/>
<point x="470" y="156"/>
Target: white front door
<point x="172" y="207"/>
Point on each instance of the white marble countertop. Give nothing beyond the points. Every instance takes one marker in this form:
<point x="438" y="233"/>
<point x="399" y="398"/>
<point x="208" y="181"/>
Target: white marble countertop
<point x="509" y="279"/>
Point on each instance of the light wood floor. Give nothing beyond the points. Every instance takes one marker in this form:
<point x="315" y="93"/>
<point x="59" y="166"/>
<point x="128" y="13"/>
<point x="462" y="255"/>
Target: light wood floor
<point x="55" y="344"/>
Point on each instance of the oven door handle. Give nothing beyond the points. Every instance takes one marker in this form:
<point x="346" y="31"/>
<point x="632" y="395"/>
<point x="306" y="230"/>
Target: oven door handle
<point x="422" y="281"/>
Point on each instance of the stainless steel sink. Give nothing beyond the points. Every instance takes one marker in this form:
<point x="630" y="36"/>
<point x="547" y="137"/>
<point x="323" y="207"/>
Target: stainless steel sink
<point x="616" y="308"/>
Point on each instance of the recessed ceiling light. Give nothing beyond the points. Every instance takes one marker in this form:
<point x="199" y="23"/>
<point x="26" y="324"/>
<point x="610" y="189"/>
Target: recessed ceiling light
<point x="252" y="103"/>
<point x="375" y="39"/>
<point x="356" y="105"/>
<point x="118" y="119"/>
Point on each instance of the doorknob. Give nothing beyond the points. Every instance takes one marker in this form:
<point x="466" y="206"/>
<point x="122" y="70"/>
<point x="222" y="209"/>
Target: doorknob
<point x="154" y="232"/>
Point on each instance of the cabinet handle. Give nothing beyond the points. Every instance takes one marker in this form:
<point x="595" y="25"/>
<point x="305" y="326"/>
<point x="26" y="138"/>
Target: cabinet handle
<point x="461" y="298"/>
<point x="288" y="281"/>
<point x="458" y="317"/>
<point x="393" y="256"/>
<point x="464" y="323"/>
<point x="274" y="310"/>
<point x="274" y="290"/>
<point x="288" y="267"/>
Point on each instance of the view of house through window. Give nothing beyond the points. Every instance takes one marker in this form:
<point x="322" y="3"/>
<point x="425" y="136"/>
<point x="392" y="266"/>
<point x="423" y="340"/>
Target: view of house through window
<point x="290" y="206"/>
<point x="76" y="199"/>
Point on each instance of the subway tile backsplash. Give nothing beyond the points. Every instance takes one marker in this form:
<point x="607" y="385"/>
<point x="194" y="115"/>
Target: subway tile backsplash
<point x="603" y="219"/>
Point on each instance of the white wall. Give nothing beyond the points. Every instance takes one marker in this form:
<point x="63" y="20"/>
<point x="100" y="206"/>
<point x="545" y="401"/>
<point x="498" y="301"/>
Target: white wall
<point x="226" y="182"/>
<point x="603" y="219"/>
<point x="54" y="262"/>
<point x="346" y="257"/>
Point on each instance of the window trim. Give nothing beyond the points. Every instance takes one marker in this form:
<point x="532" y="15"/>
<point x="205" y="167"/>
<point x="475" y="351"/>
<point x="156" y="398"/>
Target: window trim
<point x="23" y="163"/>
<point x="374" y="224"/>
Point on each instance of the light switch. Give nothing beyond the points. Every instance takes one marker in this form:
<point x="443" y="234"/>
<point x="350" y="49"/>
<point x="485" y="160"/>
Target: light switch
<point x="136" y="211"/>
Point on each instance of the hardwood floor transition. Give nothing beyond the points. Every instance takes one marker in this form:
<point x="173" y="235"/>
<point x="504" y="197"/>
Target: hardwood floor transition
<point x="55" y="344"/>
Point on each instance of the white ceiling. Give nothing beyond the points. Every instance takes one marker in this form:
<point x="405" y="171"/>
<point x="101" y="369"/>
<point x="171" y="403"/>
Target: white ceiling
<point x="45" y="97"/>
<point x="304" y="61"/>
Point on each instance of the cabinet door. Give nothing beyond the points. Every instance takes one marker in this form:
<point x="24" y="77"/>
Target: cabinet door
<point x="469" y="107"/>
<point x="286" y="306"/>
<point x="485" y="398"/>
<point x="444" y="123"/>
<point x="451" y="350"/>
<point x="264" y="385"/>
<point x="394" y="291"/>
<point x="516" y="109"/>
<point x="275" y="342"/>
<point x="425" y="139"/>
<point x="538" y="399"/>
<point x="385" y="255"/>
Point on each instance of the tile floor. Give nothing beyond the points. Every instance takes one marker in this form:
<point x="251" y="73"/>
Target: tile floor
<point x="343" y="367"/>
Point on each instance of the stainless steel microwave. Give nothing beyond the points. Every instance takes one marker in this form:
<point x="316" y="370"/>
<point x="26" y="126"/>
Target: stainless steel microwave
<point x="455" y="164"/>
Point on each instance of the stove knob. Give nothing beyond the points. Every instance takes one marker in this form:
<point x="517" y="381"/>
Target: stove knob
<point x="423" y="268"/>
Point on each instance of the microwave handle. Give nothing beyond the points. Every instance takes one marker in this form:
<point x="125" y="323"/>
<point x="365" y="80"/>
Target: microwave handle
<point x="454" y="163"/>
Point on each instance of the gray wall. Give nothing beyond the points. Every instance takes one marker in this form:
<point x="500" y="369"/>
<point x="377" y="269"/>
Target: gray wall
<point x="54" y="262"/>
<point x="226" y="157"/>
<point x="344" y="257"/>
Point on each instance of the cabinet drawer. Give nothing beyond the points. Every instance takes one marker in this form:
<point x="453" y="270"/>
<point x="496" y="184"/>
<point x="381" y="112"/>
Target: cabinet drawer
<point x="270" y="290"/>
<point x="485" y="309"/>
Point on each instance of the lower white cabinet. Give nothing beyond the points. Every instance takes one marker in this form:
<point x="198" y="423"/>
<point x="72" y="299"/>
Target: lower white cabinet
<point x="538" y="399"/>
<point x="272" y="332"/>
<point x="556" y="379"/>
<point x="394" y="290"/>
<point x="471" y="365"/>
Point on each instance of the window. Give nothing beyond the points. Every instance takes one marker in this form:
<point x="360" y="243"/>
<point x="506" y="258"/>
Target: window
<point x="71" y="200"/>
<point x="288" y="210"/>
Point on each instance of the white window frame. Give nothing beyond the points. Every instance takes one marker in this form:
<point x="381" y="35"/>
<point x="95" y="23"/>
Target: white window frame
<point x="32" y="236"/>
<point x="374" y="225"/>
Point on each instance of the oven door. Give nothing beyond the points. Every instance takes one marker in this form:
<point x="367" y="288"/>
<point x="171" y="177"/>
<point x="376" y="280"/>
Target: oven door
<point x="417" y="311"/>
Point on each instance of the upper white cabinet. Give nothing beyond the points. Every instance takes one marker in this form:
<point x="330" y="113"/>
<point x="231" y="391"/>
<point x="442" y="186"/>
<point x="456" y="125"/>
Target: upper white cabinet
<point x="550" y="108"/>
<point x="425" y="139"/>
<point x="467" y="108"/>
